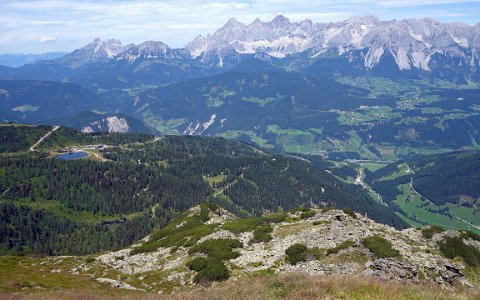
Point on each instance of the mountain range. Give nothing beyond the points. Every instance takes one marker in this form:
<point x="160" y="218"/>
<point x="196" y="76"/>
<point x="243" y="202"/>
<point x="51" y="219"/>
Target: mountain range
<point x="360" y="88"/>
<point x="413" y="47"/>
<point x="20" y="59"/>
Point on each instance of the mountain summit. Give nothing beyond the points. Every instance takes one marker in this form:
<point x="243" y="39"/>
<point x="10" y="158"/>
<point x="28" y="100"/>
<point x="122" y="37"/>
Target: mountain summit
<point x="96" y="51"/>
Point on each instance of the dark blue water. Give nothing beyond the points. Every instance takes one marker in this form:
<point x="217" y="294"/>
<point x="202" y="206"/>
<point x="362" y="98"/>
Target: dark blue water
<point x="72" y="156"/>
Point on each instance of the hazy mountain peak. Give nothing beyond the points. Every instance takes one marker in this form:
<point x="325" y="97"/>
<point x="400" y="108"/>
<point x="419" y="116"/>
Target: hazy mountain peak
<point x="95" y="51"/>
<point x="153" y="46"/>
<point x="368" y="19"/>
<point x="232" y="23"/>
<point x="20" y="59"/>
<point x="280" y="20"/>
<point x="197" y="46"/>
<point x="150" y="50"/>
<point x="256" y="22"/>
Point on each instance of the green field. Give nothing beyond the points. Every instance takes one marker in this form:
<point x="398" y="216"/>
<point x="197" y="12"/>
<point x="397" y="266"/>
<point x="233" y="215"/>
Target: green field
<point x="367" y="114"/>
<point x="275" y="129"/>
<point x="373" y="166"/>
<point x="214" y="102"/>
<point x="263" y="102"/>
<point x="403" y="169"/>
<point x="26" y="108"/>
<point x="417" y="209"/>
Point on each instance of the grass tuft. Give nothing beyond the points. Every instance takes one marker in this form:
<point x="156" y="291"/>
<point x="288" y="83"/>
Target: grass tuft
<point x="342" y="246"/>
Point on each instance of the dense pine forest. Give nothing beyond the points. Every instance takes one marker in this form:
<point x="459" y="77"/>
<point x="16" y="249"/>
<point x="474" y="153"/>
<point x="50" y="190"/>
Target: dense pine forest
<point x="20" y="138"/>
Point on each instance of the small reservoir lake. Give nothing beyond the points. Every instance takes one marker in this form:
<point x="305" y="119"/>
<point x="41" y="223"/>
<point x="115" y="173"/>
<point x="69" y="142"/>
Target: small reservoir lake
<point x="72" y="156"/>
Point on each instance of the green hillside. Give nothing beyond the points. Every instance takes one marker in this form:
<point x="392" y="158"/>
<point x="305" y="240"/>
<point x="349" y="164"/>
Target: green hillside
<point x="138" y="182"/>
<point x="442" y="189"/>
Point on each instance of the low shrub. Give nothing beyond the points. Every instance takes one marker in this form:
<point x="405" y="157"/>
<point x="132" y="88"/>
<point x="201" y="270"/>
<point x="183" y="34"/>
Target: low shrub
<point x="218" y="248"/>
<point x="321" y="222"/>
<point x="275" y="218"/>
<point x="380" y="247"/>
<point x="341" y="246"/>
<point x="307" y="214"/>
<point x="208" y="269"/>
<point x="316" y="253"/>
<point x="250" y="224"/>
<point x="299" y="209"/>
<point x="296" y="253"/>
<point x="90" y="259"/>
<point x="205" y="208"/>
<point x="430" y="231"/>
<point x="326" y="209"/>
<point x="183" y="237"/>
<point x="212" y="267"/>
<point x="467" y="234"/>
<point x="453" y="247"/>
<point x="216" y="271"/>
<point x="243" y="225"/>
<point x="262" y="234"/>
<point x="350" y="212"/>
<point x="149" y="246"/>
<point x="185" y="230"/>
<point x="197" y="264"/>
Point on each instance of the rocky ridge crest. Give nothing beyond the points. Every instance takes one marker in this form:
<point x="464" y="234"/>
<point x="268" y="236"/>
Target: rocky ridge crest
<point x="419" y="259"/>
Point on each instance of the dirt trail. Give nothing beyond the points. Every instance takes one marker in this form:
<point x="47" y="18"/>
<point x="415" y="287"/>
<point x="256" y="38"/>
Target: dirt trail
<point x="43" y="137"/>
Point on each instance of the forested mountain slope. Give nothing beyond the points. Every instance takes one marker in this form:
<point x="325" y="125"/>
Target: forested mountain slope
<point x="120" y="193"/>
<point x="443" y="189"/>
<point x="32" y="101"/>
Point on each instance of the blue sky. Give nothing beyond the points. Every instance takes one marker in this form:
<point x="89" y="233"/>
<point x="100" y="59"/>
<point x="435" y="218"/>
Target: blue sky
<point x="64" y="25"/>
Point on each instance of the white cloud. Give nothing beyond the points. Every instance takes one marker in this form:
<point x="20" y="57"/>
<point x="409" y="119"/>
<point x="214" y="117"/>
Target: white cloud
<point x="47" y="39"/>
<point x="176" y="22"/>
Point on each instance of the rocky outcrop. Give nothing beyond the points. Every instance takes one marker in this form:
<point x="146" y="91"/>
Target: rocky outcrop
<point x="391" y="269"/>
<point x="419" y="259"/>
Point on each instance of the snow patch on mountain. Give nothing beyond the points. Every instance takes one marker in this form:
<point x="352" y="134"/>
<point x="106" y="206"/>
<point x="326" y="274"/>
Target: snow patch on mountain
<point x="462" y="42"/>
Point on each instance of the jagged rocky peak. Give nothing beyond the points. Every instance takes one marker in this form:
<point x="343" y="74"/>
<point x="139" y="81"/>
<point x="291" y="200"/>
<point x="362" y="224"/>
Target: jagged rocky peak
<point x="280" y="21"/>
<point x="149" y="50"/>
<point x="233" y="23"/>
<point x="153" y="46"/>
<point x="197" y="46"/>
<point x="104" y="49"/>
<point x="95" y="51"/>
<point x="256" y="22"/>
<point x="411" y="43"/>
